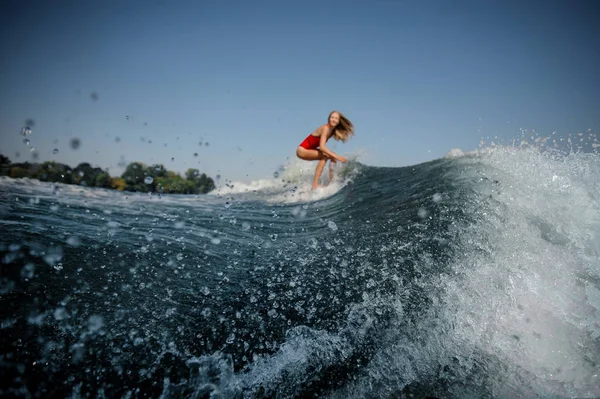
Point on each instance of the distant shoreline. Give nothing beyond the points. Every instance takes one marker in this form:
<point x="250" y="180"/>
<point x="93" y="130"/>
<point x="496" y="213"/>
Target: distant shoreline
<point x="136" y="177"/>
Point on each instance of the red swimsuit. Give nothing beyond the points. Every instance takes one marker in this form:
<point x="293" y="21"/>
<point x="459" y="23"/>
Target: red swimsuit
<point x="311" y="142"/>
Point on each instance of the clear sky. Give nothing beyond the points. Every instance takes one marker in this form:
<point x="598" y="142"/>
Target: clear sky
<point x="150" y="80"/>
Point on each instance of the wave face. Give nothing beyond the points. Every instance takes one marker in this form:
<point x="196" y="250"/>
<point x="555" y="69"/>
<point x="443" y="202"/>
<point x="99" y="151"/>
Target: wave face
<point x="475" y="275"/>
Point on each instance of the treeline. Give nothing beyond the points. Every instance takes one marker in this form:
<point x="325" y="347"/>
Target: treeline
<point x="136" y="177"/>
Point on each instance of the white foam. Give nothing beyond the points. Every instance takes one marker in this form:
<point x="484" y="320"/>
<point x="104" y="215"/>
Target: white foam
<point x="292" y="184"/>
<point x="529" y="267"/>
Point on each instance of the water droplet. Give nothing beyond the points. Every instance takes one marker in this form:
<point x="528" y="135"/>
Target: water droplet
<point x="148" y="180"/>
<point x="127" y="117"/>
<point x="422" y="213"/>
<point x="75" y="143"/>
<point x="32" y="149"/>
<point x="437" y="197"/>
<point x="276" y="174"/>
<point x="195" y="154"/>
<point x="331" y="224"/>
<point x="60" y="314"/>
<point x="28" y="271"/>
<point x="94" y="96"/>
<point x="245" y="226"/>
<point x="230" y="339"/>
<point x="215" y="241"/>
<point x="55" y="151"/>
<point x="73" y="241"/>
<point x="95" y="323"/>
<point x="26" y="131"/>
<point x="179" y="225"/>
<point x="26" y="141"/>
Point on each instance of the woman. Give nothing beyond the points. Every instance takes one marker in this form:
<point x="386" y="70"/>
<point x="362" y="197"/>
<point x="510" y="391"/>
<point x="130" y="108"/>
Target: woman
<point x="314" y="147"/>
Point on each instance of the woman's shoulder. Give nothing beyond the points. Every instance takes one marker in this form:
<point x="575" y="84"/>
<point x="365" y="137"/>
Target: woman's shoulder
<point x="325" y="128"/>
<point x="320" y="130"/>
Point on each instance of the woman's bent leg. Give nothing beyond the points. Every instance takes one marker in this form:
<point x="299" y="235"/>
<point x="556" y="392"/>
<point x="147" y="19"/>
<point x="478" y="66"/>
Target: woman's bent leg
<point x="318" y="172"/>
<point x="310" y="155"/>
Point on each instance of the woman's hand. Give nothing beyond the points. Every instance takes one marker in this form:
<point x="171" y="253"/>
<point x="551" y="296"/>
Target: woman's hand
<point x="342" y="159"/>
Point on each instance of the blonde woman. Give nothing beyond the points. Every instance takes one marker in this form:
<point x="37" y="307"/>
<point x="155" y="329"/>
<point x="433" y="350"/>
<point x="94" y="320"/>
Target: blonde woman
<point x="314" y="147"/>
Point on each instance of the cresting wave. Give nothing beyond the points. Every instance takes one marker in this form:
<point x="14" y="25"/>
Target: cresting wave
<point x="475" y="275"/>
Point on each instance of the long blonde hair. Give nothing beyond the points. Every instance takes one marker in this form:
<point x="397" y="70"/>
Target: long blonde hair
<point x="344" y="130"/>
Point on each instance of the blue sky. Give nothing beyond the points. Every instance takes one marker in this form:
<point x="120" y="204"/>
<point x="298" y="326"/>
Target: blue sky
<point x="253" y="78"/>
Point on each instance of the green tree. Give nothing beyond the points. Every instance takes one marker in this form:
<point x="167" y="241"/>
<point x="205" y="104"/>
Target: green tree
<point x="157" y="171"/>
<point x="4" y="165"/>
<point x="134" y="176"/>
<point x="55" y="172"/>
<point x="201" y="184"/>
<point x="103" y="180"/>
<point x="85" y="174"/>
<point x="17" y="172"/>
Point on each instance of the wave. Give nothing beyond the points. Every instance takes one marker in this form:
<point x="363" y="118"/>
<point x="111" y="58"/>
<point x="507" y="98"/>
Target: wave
<point x="473" y="275"/>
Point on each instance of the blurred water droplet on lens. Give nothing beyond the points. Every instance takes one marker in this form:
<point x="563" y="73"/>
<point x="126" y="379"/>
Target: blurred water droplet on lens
<point x="26" y="131"/>
<point x="172" y="158"/>
<point x="28" y="271"/>
<point x="94" y="96"/>
<point x="60" y="314"/>
<point x="55" y="151"/>
<point x="32" y="149"/>
<point x="75" y="143"/>
<point x="218" y="177"/>
<point x="276" y="174"/>
<point x="29" y="122"/>
<point x="73" y="241"/>
<point x="148" y="180"/>
<point x="206" y="144"/>
<point x="195" y="154"/>
<point x="117" y="139"/>
<point x="127" y="117"/>
<point x="26" y="141"/>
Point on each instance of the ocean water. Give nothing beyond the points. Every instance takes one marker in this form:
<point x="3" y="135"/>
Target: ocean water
<point x="475" y="275"/>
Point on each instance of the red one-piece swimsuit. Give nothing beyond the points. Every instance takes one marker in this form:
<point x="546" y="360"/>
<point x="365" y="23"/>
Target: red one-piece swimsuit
<point x="311" y="142"/>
